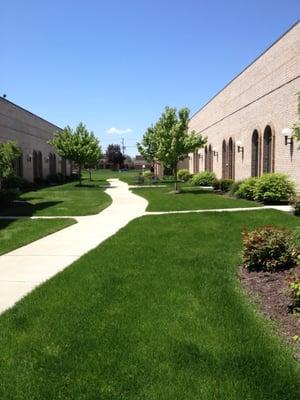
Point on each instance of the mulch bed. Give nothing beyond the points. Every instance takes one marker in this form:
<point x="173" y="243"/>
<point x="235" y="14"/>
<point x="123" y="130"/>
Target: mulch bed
<point x="271" y="291"/>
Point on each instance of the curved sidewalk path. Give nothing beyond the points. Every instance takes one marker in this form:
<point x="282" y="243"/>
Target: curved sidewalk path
<point x="23" y="269"/>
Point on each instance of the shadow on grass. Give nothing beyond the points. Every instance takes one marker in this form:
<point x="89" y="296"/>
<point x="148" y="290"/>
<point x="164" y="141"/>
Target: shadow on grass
<point x="25" y="209"/>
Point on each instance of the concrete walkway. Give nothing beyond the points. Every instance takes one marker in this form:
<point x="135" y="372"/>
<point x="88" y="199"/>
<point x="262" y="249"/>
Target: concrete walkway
<point x="23" y="269"/>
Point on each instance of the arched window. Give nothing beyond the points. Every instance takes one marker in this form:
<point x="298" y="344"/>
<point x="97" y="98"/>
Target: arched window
<point x="52" y="163"/>
<point x="231" y="155"/>
<point x="63" y="166"/>
<point x="40" y="164"/>
<point x="35" y="165"/>
<point x="268" y="150"/>
<point x="255" y="154"/>
<point x="205" y="159"/>
<point x="210" y="158"/>
<point x="18" y="166"/>
<point x="224" y="159"/>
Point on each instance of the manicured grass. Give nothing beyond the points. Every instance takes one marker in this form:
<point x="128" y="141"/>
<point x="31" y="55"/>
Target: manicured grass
<point x="63" y="200"/>
<point x="155" y="312"/>
<point x="162" y="199"/>
<point x="17" y="233"/>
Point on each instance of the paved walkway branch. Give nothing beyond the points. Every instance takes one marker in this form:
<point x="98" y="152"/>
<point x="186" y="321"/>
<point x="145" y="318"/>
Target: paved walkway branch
<point x="25" y="268"/>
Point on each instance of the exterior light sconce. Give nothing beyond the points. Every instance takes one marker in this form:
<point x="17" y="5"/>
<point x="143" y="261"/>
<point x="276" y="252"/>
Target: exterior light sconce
<point x="200" y="156"/>
<point x="240" y="147"/>
<point x="288" y="136"/>
<point x="46" y="159"/>
<point x="29" y="157"/>
<point x="215" y="151"/>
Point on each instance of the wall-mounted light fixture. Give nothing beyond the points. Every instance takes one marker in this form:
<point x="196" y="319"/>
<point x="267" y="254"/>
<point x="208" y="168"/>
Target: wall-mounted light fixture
<point x="288" y="136"/>
<point x="29" y="157"/>
<point x="215" y="151"/>
<point x="201" y="156"/>
<point x="46" y="159"/>
<point x="240" y="147"/>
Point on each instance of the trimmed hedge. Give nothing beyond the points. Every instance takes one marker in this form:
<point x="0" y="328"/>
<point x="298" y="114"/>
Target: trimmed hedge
<point x="205" y="178"/>
<point x="184" y="175"/>
<point x="269" y="249"/>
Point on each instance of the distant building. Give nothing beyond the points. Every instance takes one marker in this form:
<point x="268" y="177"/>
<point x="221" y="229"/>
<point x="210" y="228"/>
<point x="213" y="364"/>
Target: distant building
<point x="248" y="123"/>
<point x="139" y="161"/>
<point x="31" y="132"/>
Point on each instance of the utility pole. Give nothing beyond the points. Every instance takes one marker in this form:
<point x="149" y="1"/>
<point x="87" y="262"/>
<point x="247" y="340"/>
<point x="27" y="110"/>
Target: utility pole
<point x="123" y="146"/>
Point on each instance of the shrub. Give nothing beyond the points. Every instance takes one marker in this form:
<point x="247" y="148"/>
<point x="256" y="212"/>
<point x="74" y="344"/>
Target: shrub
<point x="8" y="195"/>
<point x="205" y="178"/>
<point x="16" y="182"/>
<point x="184" y="175"/>
<point x="295" y="286"/>
<point x="56" y="178"/>
<point x="273" y="188"/>
<point x="147" y="174"/>
<point x="295" y="202"/>
<point x="246" y="189"/>
<point x="234" y="187"/>
<point x="268" y="249"/>
<point x="223" y="184"/>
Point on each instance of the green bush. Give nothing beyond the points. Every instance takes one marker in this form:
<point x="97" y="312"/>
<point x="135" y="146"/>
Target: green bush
<point x="246" y="189"/>
<point x="147" y="174"/>
<point x="273" y="188"/>
<point x="16" y="182"/>
<point x="184" y="175"/>
<point x="295" y="202"/>
<point x="205" y="178"/>
<point x="8" y="195"/>
<point x="56" y="178"/>
<point x="295" y="286"/>
<point x="235" y="187"/>
<point x="223" y="184"/>
<point x="269" y="249"/>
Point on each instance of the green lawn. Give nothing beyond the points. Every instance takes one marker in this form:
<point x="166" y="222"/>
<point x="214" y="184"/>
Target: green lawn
<point x="17" y="233"/>
<point x="162" y="199"/>
<point x="63" y="200"/>
<point x="155" y="312"/>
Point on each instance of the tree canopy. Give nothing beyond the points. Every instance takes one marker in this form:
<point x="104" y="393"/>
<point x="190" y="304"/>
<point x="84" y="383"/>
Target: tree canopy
<point x="296" y="127"/>
<point x="148" y="146"/>
<point x="169" y="140"/>
<point x="78" y="145"/>
<point x="115" y="156"/>
<point x="9" y="151"/>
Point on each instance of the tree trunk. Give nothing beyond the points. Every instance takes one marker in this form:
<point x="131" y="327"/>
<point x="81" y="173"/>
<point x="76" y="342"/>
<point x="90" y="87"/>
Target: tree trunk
<point x="79" y="171"/>
<point x="175" y="176"/>
<point x="90" y="173"/>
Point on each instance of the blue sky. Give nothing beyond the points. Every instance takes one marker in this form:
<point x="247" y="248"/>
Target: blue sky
<point x="118" y="63"/>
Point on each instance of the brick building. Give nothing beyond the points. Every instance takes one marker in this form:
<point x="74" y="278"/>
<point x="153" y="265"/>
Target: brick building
<point x="32" y="133"/>
<point x="248" y="123"/>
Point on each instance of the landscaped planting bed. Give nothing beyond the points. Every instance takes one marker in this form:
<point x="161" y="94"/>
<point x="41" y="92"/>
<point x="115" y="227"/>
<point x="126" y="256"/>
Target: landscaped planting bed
<point x="155" y="312"/>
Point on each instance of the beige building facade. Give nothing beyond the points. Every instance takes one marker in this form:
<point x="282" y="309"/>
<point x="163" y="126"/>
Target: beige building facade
<point x="248" y="124"/>
<point x="32" y="134"/>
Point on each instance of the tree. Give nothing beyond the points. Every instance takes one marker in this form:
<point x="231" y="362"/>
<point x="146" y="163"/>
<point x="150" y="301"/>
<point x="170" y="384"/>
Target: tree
<point x="173" y="140"/>
<point x="9" y="151"/>
<point x="114" y="155"/>
<point x="79" y="145"/>
<point x="148" y="147"/>
<point x="296" y="127"/>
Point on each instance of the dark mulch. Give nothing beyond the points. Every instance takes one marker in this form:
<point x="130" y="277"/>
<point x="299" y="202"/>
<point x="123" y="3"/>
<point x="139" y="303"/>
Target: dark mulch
<point x="272" y="292"/>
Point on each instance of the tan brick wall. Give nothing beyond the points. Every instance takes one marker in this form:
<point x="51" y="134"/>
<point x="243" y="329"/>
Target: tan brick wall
<point x="264" y="94"/>
<point x="31" y="133"/>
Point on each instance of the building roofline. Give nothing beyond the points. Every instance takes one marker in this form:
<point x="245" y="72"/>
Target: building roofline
<point x="248" y="66"/>
<point x="29" y="112"/>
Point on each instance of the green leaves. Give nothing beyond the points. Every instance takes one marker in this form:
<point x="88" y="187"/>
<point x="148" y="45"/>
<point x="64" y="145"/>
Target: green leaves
<point x="9" y="151"/>
<point x="79" y="145"/>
